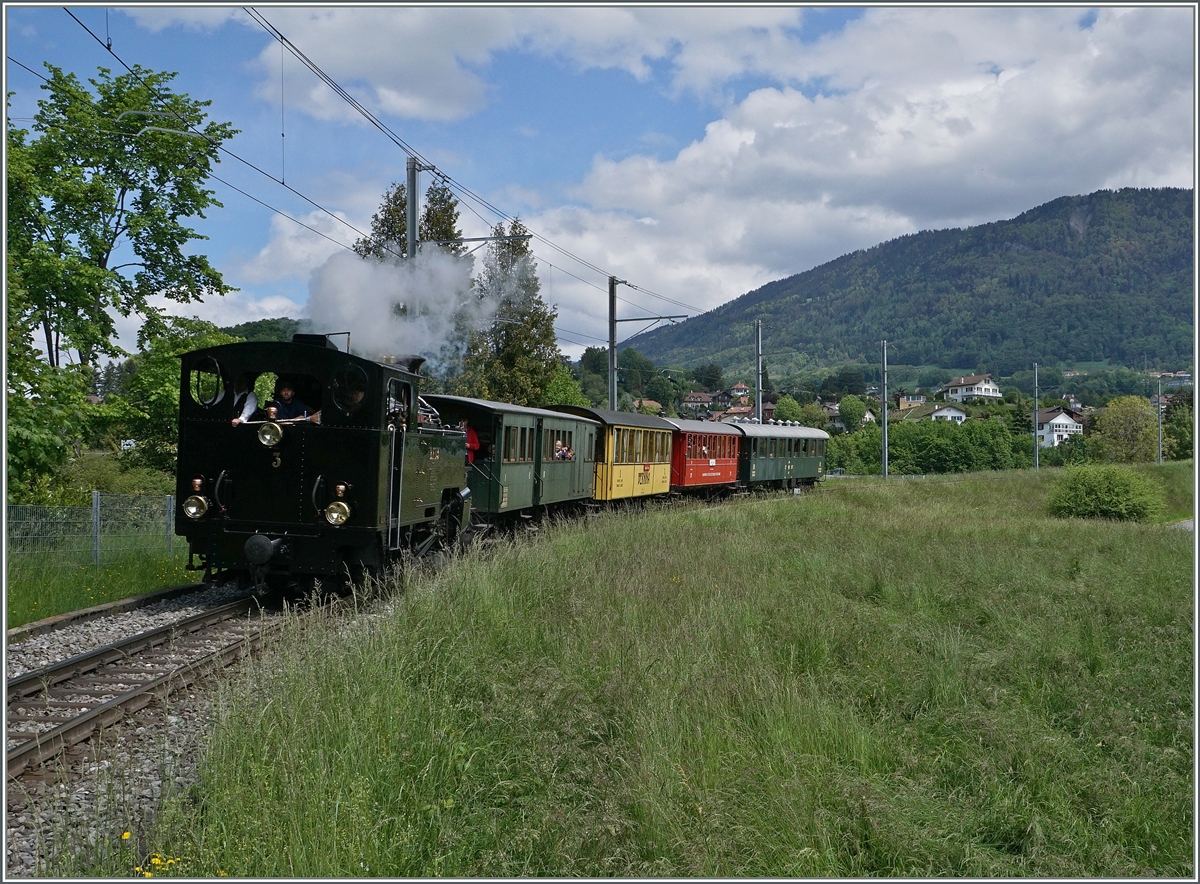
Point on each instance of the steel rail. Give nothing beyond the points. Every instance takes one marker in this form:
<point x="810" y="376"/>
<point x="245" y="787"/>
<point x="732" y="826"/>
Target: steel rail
<point x="44" y="746"/>
<point x="39" y="679"/>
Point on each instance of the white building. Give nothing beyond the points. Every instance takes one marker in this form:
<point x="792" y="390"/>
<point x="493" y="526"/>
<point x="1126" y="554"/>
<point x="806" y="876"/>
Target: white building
<point x="976" y="386"/>
<point x="1056" y="425"/>
<point x="949" y="413"/>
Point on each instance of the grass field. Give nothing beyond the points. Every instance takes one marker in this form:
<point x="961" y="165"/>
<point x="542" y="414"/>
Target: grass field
<point x="881" y="678"/>
<point x="38" y="587"/>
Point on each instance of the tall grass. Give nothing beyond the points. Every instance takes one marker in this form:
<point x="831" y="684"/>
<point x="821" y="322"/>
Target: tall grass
<point x="902" y="678"/>
<point x="38" y="587"/>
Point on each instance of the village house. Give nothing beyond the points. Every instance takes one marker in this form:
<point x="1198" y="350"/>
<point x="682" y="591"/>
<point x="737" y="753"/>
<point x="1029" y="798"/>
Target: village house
<point x="649" y="403"/>
<point x="975" y="386"/>
<point x="1056" y="425"/>
<point x="948" y="413"/>
<point x="909" y="400"/>
<point x="736" y="413"/>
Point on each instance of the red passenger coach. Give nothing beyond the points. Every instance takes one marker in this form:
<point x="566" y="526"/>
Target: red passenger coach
<point x="703" y="454"/>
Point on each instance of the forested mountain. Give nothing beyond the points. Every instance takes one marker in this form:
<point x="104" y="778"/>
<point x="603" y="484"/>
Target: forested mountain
<point x="1079" y="279"/>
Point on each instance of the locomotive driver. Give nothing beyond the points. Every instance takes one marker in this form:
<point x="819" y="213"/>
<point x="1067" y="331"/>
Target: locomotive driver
<point x="287" y="406"/>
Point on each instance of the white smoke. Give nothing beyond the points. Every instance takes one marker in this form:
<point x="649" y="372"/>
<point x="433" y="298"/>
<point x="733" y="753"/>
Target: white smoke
<point x="398" y="307"/>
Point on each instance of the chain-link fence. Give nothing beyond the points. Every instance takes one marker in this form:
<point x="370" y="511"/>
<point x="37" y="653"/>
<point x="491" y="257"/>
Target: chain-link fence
<point x="114" y="523"/>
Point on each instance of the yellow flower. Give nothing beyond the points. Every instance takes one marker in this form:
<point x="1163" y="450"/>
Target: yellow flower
<point x="124" y="836"/>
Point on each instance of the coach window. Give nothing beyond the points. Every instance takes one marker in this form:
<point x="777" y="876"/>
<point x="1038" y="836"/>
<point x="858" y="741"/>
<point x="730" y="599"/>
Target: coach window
<point x="510" y="444"/>
<point x="205" y="384"/>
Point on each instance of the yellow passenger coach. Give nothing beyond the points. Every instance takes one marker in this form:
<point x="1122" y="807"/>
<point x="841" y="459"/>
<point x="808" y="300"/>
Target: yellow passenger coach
<point x="633" y="453"/>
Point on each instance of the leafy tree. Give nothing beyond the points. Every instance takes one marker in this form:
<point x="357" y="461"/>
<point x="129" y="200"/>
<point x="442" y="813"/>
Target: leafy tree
<point x="787" y="409"/>
<point x="845" y="380"/>
<point x="153" y="390"/>
<point x="47" y="409"/>
<point x="563" y="389"/>
<point x="594" y="360"/>
<point x="517" y="357"/>
<point x="1178" y="433"/>
<point x="1127" y="431"/>
<point x="388" y="238"/>
<point x="661" y="389"/>
<point x="280" y="329"/>
<point x="635" y="371"/>
<point x="811" y="415"/>
<point x="710" y="377"/>
<point x="852" y="411"/>
<point x="90" y="190"/>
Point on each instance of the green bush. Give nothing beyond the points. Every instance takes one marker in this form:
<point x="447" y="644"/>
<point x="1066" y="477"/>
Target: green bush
<point x="1106" y="492"/>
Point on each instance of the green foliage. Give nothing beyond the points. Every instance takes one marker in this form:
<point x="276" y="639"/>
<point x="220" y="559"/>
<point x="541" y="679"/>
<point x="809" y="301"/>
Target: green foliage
<point x="1127" y="431"/>
<point x="812" y="415"/>
<point x="1072" y="451"/>
<point x="388" y="238"/>
<point x="852" y="410"/>
<point x="710" y="377"/>
<point x="662" y="389"/>
<point x="280" y="329"/>
<point x="923" y="447"/>
<point x="787" y="409"/>
<point x="1105" y="492"/>
<point x="89" y="188"/>
<point x="515" y="359"/>
<point x="846" y="380"/>
<point x="153" y="390"/>
<point x="1177" y="433"/>
<point x="47" y="412"/>
<point x="634" y="372"/>
<point x="1107" y="276"/>
<point x="594" y="360"/>
<point x="563" y="389"/>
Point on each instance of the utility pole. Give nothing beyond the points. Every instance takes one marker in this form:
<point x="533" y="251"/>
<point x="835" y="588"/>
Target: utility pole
<point x="885" y="404"/>
<point x="758" y="370"/>
<point x="414" y="204"/>
<point x="613" y="282"/>
<point x="1035" y="417"/>
<point x="1159" y="409"/>
<point x="612" y="342"/>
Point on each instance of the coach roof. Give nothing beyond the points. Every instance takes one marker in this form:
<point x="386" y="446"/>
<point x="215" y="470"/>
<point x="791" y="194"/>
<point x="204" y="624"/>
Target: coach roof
<point x="617" y="418"/>
<point x="777" y="431"/>
<point x="504" y="407"/>
<point x="713" y="427"/>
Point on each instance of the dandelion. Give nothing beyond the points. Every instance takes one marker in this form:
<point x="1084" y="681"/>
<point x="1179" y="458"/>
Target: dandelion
<point x="124" y="836"/>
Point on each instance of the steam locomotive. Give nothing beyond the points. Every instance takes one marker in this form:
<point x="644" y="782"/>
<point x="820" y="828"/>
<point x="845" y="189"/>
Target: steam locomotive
<point x="370" y="470"/>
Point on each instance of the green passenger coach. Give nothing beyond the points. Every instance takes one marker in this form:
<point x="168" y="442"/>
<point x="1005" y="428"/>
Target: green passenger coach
<point x="527" y="459"/>
<point x="780" y="456"/>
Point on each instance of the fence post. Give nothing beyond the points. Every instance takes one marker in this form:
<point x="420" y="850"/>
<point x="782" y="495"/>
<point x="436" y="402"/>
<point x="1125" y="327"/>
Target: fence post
<point x="170" y="514"/>
<point x="95" y="527"/>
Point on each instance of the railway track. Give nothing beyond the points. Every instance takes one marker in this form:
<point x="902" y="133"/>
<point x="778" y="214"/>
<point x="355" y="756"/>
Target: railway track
<point x="57" y="706"/>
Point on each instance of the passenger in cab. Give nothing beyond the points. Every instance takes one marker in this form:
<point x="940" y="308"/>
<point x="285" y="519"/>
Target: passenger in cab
<point x="244" y="400"/>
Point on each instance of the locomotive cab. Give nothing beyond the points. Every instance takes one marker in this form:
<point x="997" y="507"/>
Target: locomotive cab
<point x="338" y="483"/>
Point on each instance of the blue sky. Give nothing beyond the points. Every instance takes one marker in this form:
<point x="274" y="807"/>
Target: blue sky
<point x="696" y="152"/>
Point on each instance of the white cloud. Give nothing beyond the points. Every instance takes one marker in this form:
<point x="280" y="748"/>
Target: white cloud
<point x="906" y="119"/>
<point x="293" y="252"/>
<point x="935" y="118"/>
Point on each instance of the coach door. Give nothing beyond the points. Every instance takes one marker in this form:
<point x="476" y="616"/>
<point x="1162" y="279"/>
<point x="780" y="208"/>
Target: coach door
<point x="399" y="404"/>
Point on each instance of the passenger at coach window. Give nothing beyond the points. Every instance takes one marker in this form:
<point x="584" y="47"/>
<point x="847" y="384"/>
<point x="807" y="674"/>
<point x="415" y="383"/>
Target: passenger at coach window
<point x="472" y="439"/>
<point x="560" y="450"/>
<point x="244" y="400"/>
